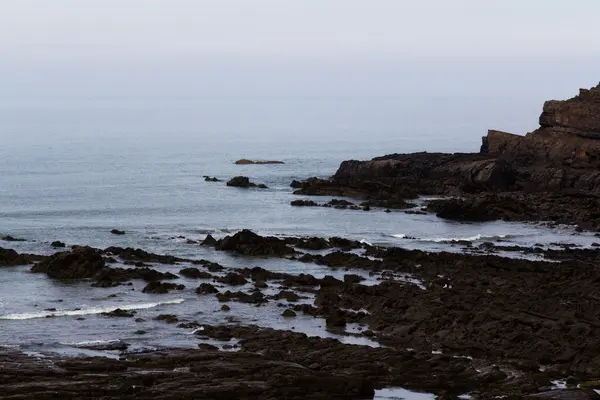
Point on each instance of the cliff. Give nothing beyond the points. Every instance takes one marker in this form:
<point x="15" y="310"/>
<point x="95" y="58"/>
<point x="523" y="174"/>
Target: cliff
<point x="560" y="158"/>
<point x="569" y="134"/>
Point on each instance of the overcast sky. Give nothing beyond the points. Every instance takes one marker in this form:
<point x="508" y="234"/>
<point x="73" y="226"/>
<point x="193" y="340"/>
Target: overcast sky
<point x="524" y="51"/>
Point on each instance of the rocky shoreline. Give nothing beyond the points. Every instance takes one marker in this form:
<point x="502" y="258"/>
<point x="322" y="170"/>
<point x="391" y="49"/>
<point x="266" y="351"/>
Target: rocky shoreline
<point x="443" y="323"/>
<point x="454" y="325"/>
<point x="550" y="174"/>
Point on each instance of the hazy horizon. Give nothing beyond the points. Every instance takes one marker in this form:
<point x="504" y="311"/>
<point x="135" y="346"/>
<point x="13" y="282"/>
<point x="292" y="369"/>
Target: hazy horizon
<point x="273" y="70"/>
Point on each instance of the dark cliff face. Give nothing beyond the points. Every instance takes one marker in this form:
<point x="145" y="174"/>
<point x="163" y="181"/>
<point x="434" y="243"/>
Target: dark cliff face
<point x="569" y="134"/>
<point x="563" y="153"/>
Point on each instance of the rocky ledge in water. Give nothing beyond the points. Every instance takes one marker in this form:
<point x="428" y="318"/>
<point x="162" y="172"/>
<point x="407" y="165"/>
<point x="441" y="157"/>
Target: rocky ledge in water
<point x="244" y="161"/>
<point x="539" y="176"/>
<point x="244" y="182"/>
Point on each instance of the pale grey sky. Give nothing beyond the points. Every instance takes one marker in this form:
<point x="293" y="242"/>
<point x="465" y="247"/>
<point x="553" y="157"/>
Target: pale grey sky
<point x="505" y="57"/>
<point x="67" y="30"/>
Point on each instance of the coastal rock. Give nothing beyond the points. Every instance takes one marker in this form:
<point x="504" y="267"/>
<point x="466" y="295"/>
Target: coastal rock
<point x="58" y="244"/>
<point x="119" y="313"/>
<point x="161" y="287"/>
<point x="80" y="263"/>
<point x="206" y="288"/>
<point x="209" y="179"/>
<point x="9" y="257"/>
<point x="139" y="255"/>
<point x="195" y="273"/>
<point x="244" y="182"/>
<point x="249" y="243"/>
<point x="304" y="203"/>
<point x="10" y="238"/>
<point x="108" y="277"/>
<point x="117" y="232"/>
<point x="244" y="161"/>
<point x="562" y="157"/>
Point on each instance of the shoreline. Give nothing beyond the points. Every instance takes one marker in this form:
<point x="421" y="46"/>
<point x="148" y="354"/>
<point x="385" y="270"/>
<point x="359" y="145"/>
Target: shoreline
<point x="469" y="317"/>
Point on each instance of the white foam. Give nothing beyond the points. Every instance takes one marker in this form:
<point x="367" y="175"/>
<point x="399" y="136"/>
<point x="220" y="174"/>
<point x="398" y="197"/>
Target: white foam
<point x="468" y="239"/>
<point x="90" y="342"/>
<point x="399" y="236"/>
<point x="87" y="311"/>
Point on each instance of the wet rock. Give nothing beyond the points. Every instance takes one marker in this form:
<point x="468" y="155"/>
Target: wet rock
<point x="168" y="318"/>
<point x="225" y="307"/>
<point x="352" y="278"/>
<point x="244" y="161"/>
<point x="117" y="232"/>
<point x="209" y="179"/>
<point x="329" y="281"/>
<point x="312" y="243"/>
<point x="140" y="332"/>
<point x="57" y="244"/>
<point x="301" y="280"/>
<point x="119" y="313"/>
<point x="249" y="243"/>
<point x="9" y="257"/>
<point x="287" y="295"/>
<point x="288" y="313"/>
<point x="209" y="241"/>
<point x="344" y="244"/>
<point x="9" y="238"/>
<point x="135" y="255"/>
<point x="232" y="279"/>
<point x="206" y="288"/>
<point x="109" y="277"/>
<point x="575" y="394"/>
<point x="158" y="287"/>
<point x="260" y="285"/>
<point x="195" y="273"/>
<point x="207" y="347"/>
<point x="304" y="203"/>
<point x="80" y="263"/>
<point x="256" y="297"/>
<point x="243" y="182"/>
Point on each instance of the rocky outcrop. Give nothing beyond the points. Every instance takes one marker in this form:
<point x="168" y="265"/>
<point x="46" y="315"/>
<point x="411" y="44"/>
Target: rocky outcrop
<point x="244" y="161"/>
<point x="561" y="156"/>
<point x="9" y="257"/>
<point x="81" y="263"/>
<point x="249" y="243"/>
<point x="244" y="182"/>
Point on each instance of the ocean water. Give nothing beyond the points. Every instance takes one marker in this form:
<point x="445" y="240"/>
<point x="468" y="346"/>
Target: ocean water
<point x="77" y="187"/>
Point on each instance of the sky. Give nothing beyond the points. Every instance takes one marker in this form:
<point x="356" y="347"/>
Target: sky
<point x="500" y="59"/>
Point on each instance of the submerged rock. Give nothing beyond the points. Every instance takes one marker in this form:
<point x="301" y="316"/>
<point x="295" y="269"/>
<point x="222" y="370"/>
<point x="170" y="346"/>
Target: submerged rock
<point x="9" y="238"/>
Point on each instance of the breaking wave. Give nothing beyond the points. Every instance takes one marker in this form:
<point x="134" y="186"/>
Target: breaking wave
<point x="87" y="311"/>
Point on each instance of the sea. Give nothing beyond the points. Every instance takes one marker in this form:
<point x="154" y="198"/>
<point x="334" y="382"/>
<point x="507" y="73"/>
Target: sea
<point x="68" y="178"/>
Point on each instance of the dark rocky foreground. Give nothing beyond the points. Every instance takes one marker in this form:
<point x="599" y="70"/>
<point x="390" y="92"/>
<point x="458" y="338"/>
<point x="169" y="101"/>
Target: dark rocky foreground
<point x="550" y="174"/>
<point x="446" y="323"/>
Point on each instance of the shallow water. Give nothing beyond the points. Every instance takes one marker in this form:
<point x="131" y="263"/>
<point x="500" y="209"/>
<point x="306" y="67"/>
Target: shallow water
<point x="76" y="191"/>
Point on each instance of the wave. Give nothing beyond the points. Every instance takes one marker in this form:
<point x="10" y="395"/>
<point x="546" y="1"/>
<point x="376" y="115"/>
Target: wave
<point x="87" y="311"/>
<point x="468" y="239"/>
<point x="90" y="342"/>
